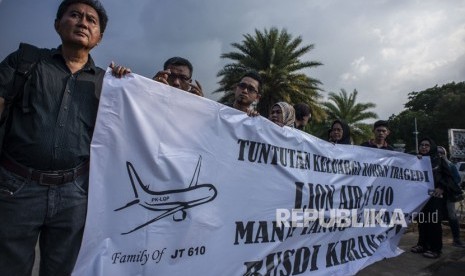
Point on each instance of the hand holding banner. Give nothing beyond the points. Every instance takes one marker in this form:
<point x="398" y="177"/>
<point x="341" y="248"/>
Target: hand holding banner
<point x="181" y="185"/>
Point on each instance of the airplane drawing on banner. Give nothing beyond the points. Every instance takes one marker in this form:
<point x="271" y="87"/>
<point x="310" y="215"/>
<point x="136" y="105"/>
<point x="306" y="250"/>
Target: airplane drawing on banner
<point x="171" y="202"/>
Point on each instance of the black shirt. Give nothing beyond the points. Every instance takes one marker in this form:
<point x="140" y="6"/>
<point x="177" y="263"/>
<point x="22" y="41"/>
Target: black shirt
<point x="372" y="144"/>
<point x="56" y="133"/>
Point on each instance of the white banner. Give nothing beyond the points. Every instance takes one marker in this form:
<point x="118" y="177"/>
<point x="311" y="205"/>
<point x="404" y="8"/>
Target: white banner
<point x="182" y="185"/>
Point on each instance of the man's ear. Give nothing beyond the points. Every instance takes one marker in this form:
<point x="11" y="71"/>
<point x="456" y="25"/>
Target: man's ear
<point x="55" y="25"/>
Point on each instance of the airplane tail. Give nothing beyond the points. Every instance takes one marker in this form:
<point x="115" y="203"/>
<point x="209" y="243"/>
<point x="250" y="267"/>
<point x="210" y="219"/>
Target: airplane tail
<point x="196" y="172"/>
<point x="132" y="174"/>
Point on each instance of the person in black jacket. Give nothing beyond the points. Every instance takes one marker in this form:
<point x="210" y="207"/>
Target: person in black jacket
<point x="451" y="212"/>
<point x="381" y="132"/>
<point x="44" y="167"/>
<point x="429" y="219"/>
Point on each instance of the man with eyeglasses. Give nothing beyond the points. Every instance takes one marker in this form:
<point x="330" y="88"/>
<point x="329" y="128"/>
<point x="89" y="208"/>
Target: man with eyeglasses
<point x="177" y="72"/>
<point x="247" y="92"/>
<point x="381" y="132"/>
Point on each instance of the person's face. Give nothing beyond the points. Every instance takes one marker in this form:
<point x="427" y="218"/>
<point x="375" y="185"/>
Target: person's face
<point x="79" y="26"/>
<point x="381" y="133"/>
<point x="336" y="132"/>
<point x="180" y="77"/>
<point x="441" y="152"/>
<point x="424" y="147"/>
<point x="246" y="91"/>
<point x="276" y="115"/>
<point x="305" y="120"/>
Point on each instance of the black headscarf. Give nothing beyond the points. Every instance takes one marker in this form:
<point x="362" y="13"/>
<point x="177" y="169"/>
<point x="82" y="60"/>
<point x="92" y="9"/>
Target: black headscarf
<point x="432" y="153"/>
<point x="441" y="170"/>
<point x="345" y="132"/>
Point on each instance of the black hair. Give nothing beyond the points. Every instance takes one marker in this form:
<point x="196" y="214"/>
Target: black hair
<point x="178" y="61"/>
<point x="98" y="7"/>
<point x="256" y="76"/>
<point x="301" y="110"/>
<point x="381" y="123"/>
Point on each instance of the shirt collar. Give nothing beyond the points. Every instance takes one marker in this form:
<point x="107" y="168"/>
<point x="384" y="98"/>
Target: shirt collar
<point x="372" y="142"/>
<point x="90" y="65"/>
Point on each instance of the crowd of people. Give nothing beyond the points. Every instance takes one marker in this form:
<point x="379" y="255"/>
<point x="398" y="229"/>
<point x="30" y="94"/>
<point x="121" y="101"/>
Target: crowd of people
<point x="44" y="164"/>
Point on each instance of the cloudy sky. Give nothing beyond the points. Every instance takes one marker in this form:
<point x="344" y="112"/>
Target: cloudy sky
<point x="383" y="48"/>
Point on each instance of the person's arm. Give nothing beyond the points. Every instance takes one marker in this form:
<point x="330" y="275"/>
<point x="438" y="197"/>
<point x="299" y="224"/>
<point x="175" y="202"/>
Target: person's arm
<point x="162" y="76"/>
<point x="7" y="72"/>
<point x="252" y="113"/>
<point x="455" y="174"/>
<point x="2" y="106"/>
<point x="196" y="88"/>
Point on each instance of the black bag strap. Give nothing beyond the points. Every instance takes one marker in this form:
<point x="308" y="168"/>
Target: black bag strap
<point x="29" y="56"/>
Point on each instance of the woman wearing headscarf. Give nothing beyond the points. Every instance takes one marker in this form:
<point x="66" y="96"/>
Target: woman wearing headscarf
<point x="429" y="219"/>
<point x="282" y="114"/>
<point x="339" y="133"/>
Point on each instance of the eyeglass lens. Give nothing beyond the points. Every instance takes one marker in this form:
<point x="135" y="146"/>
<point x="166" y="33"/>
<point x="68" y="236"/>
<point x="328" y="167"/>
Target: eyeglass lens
<point x="173" y="76"/>
<point x="249" y="88"/>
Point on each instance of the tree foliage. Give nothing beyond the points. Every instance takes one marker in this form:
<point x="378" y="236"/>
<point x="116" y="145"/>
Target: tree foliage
<point x="345" y="107"/>
<point x="276" y="56"/>
<point x="436" y="110"/>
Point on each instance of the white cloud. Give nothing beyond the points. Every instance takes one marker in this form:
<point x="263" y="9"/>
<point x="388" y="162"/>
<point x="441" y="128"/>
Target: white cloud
<point x="384" y="49"/>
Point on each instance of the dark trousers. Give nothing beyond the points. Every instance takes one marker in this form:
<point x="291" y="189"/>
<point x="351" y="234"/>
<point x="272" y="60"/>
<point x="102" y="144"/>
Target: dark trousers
<point x="429" y="225"/>
<point x="453" y="221"/>
<point x="28" y="211"/>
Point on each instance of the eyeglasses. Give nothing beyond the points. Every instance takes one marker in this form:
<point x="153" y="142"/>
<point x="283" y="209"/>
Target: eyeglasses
<point x="425" y="145"/>
<point x="249" y="87"/>
<point x="172" y="77"/>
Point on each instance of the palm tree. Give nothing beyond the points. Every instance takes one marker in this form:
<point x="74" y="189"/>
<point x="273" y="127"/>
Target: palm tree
<point x="275" y="55"/>
<point x="345" y="107"/>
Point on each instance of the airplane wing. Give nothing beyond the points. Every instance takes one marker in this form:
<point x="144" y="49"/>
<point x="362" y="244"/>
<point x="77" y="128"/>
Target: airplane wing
<point x="127" y="205"/>
<point x="165" y="214"/>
